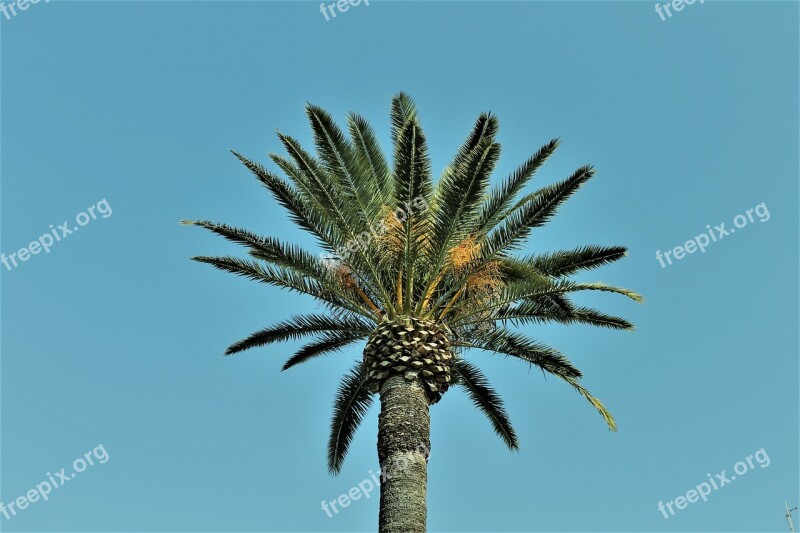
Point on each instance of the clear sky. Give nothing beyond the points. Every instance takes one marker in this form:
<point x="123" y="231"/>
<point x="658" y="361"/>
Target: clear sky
<point x="115" y="339"/>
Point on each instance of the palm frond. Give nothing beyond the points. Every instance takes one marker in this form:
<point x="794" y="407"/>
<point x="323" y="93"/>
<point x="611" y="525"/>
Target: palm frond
<point x="566" y="263"/>
<point x="402" y="112"/>
<point x="300" y="326"/>
<point x="339" y="158"/>
<point x="514" y="344"/>
<point x="412" y="181"/>
<point x="484" y="397"/>
<point x="328" y="342"/>
<point x="501" y="199"/>
<point x="553" y="308"/>
<point x="285" y="279"/>
<point x="352" y="402"/>
<point x="514" y="270"/>
<point x="458" y="198"/>
<point x="347" y="226"/>
<point x="597" y="404"/>
<point x="587" y="315"/>
<point x="533" y="211"/>
<point x="304" y="215"/>
<point x="269" y="249"/>
<point x="505" y="342"/>
<point x="325" y="189"/>
<point x="532" y="289"/>
<point x="369" y="155"/>
<point x="573" y="287"/>
<point x="484" y="131"/>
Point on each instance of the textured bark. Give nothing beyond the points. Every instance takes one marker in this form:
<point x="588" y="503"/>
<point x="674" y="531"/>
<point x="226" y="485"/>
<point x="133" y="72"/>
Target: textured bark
<point x="403" y="449"/>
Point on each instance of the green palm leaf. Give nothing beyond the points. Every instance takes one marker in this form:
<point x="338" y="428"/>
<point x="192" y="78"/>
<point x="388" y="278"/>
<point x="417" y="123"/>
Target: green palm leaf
<point x="584" y="258"/>
<point x="503" y="341"/>
<point x="412" y="181"/>
<point x="301" y="326"/>
<point x="403" y="111"/>
<point x="340" y="160"/>
<point x="328" y="342"/>
<point x="496" y="207"/>
<point x="534" y="211"/>
<point x="352" y="402"/>
<point x="369" y="155"/>
<point x="472" y="380"/>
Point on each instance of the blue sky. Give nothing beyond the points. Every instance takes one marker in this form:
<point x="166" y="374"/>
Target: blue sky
<point x="115" y="338"/>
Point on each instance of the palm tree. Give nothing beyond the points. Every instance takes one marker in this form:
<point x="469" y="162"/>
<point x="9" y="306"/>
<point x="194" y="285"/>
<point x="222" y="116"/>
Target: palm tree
<point x="421" y="272"/>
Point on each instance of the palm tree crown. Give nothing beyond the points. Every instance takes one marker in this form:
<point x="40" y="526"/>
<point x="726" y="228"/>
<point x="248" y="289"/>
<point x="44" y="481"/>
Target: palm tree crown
<point x="405" y="250"/>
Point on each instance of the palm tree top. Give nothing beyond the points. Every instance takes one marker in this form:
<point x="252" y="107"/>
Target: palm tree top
<point x="402" y="247"/>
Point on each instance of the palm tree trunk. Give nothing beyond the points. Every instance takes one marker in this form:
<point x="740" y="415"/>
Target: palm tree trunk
<point x="403" y="449"/>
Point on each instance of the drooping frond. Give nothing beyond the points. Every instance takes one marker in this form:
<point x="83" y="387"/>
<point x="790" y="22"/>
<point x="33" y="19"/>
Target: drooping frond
<point x="574" y="287"/>
<point x="352" y="402"/>
<point x="597" y="404"/>
<point x="528" y="289"/>
<point x="301" y="326"/>
<point x="505" y="342"/>
<point x="328" y="342"/>
<point x="484" y="397"/>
